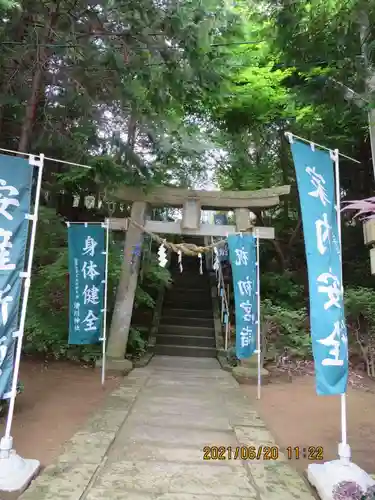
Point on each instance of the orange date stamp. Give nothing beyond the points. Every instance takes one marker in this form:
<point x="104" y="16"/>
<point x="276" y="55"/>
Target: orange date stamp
<point x="241" y="453"/>
<point x="314" y="453"/>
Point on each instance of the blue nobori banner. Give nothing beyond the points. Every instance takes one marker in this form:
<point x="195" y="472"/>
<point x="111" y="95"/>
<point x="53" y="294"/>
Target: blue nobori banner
<point x="16" y="176"/>
<point x="87" y="272"/>
<point x="242" y="252"/>
<point x="316" y="187"/>
<point x="222" y="250"/>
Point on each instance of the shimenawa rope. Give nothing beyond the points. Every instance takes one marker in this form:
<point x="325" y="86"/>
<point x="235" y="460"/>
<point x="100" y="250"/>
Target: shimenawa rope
<point x="186" y="248"/>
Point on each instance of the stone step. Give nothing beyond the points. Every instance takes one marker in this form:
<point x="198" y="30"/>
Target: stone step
<point x="188" y="297"/>
<point x="182" y="312"/>
<point x="185" y="351"/>
<point x="193" y="290"/>
<point x="193" y="305"/>
<point x="181" y="320"/>
<point x="193" y="331"/>
<point x="188" y="301"/>
<point x="185" y="340"/>
<point x="192" y="281"/>
<point x="187" y="287"/>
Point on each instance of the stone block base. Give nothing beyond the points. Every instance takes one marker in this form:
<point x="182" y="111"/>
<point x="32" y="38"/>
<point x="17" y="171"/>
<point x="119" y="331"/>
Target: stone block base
<point x="123" y="366"/>
<point x="16" y="473"/>
<point x="324" y="477"/>
<point x="249" y="376"/>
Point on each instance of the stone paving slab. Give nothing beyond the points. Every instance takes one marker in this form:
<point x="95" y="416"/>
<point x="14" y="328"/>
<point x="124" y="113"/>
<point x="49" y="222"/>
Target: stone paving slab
<point x="276" y="481"/>
<point x="171" y="477"/>
<point x="61" y="481"/>
<point x="179" y="363"/>
<point x="100" y="494"/>
<point x="204" y="422"/>
<point x="187" y="392"/>
<point x="161" y="452"/>
<point x="95" y="445"/>
<point x="188" y="402"/>
<point x="254" y="436"/>
<point x="246" y="419"/>
<point x="176" y="435"/>
<point x="187" y="385"/>
<point x="179" y="374"/>
<point x="147" y="443"/>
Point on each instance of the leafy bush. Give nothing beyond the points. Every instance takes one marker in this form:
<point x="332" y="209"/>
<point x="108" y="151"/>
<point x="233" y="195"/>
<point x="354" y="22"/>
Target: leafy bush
<point x="360" y="316"/>
<point x="137" y="341"/>
<point x="283" y="290"/>
<point x="154" y="277"/>
<point x="284" y="317"/>
<point x="286" y="326"/>
<point x="285" y="330"/>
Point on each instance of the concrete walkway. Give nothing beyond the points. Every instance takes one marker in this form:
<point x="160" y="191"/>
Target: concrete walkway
<point x="147" y="444"/>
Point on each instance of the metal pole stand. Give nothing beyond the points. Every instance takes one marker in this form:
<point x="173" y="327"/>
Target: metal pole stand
<point x="16" y="473"/>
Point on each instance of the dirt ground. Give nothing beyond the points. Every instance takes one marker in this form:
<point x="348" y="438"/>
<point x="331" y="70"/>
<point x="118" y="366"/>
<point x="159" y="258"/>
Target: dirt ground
<point x="298" y="417"/>
<point x="60" y="397"/>
<point x="56" y="402"/>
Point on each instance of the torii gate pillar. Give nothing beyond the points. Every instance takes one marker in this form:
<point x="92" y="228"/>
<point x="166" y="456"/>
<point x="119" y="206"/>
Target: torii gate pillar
<point x="122" y="314"/>
<point x="243" y="220"/>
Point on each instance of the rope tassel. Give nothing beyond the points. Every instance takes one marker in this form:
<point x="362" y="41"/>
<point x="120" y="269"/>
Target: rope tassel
<point x="162" y="254"/>
<point x="200" y="263"/>
<point x="216" y="260"/>
<point x="180" y="260"/>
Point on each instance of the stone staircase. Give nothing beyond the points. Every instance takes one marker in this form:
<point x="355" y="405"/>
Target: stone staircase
<point x="186" y="326"/>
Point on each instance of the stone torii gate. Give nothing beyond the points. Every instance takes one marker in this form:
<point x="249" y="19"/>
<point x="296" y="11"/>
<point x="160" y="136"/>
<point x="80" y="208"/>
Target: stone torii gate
<point x="192" y="202"/>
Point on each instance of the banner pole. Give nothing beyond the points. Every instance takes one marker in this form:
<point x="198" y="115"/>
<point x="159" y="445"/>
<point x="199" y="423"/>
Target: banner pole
<point x="105" y="301"/>
<point x="7" y="436"/>
<point x="344" y="449"/>
<point x="258" y="314"/>
<point x="328" y="477"/>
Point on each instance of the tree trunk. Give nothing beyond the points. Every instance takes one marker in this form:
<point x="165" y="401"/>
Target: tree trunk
<point x="31" y="109"/>
<point x="36" y="86"/>
<point x="17" y="35"/>
<point x="132" y="129"/>
<point x="284" y="167"/>
<point x="279" y="251"/>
